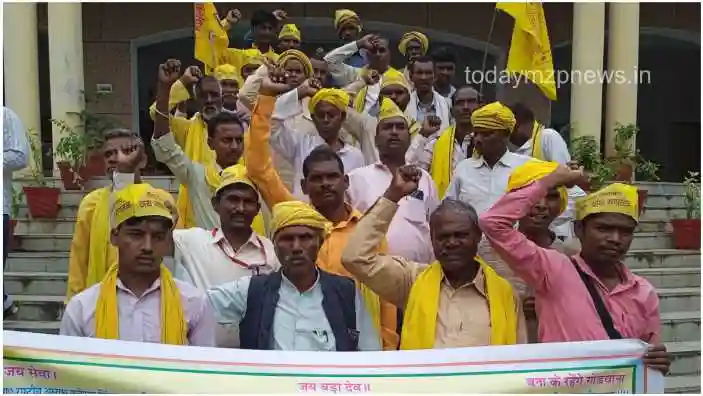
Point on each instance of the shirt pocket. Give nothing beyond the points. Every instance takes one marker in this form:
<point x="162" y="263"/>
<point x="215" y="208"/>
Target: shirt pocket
<point x="413" y="210"/>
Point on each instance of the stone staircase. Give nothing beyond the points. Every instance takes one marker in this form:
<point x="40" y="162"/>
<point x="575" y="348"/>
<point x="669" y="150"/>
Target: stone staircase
<point x="36" y="274"/>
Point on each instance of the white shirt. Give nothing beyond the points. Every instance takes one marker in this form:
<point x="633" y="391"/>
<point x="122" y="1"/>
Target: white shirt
<point x="345" y="74"/>
<point x="204" y="258"/>
<point x="409" y="233"/>
<point x="295" y="146"/>
<point x="15" y="154"/>
<point x="440" y="107"/>
<point x="426" y="151"/>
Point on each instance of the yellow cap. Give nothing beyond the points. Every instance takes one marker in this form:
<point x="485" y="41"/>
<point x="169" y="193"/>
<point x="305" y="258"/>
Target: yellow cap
<point x="141" y="200"/>
<point x="345" y="16"/>
<point x="299" y="56"/>
<point x="390" y="110"/>
<point x="394" y="77"/>
<point x="495" y="116"/>
<point x="226" y="72"/>
<point x="336" y="97"/>
<point x="289" y="30"/>
<point x="616" y="198"/>
<point x="534" y="170"/>
<point x="235" y="174"/>
<point x="413" y="36"/>
<point x="292" y="213"/>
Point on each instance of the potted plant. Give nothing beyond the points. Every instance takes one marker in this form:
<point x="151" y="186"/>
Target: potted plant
<point x="42" y="200"/>
<point x="586" y="151"/>
<point x="71" y="153"/>
<point x="687" y="232"/>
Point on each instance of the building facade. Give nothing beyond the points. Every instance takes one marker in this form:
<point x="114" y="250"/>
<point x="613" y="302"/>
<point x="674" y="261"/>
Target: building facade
<point x="69" y="48"/>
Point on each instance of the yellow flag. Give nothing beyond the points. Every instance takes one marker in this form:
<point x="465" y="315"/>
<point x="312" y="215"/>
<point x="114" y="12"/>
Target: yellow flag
<point x="530" y="52"/>
<point x="211" y="39"/>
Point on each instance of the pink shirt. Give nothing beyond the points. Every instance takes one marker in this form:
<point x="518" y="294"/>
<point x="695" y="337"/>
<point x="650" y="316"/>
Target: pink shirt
<point x="409" y="232"/>
<point x="566" y="310"/>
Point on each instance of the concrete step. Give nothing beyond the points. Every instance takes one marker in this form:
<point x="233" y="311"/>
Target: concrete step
<point x="663" y="258"/>
<point x="73" y="198"/>
<point x="44" y="242"/>
<point x="162" y="182"/>
<point x="679" y="299"/>
<point x="664" y="201"/>
<point x="683" y="384"/>
<point x="664" y="214"/>
<point x="46" y="327"/>
<point x="652" y="240"/>
<point x="661" y="188"/>
<point x="686" y="357"/>
<point x="671" y="277"/>
<point x="681" y="326"/>
<point x="56" y="262"/>
<point x="39" y="308"/>
<point x="45" y="226"/>
<point x="35" y="283"/>
<point x="651" y="226"/>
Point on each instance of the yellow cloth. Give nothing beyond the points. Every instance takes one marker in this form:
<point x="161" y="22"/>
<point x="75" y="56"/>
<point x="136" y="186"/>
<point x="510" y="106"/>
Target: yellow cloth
<point x="297" y="213"/>
<point x="390" y="110"/>
<point x="174" y="329"/>
<point x="389" y="77"/>
<point x="344" y="16"/>
<point x="140" y="200"/>
<point x="98" y="265"/>
<point x="537" y="141"/>
<point x="534" y="170"/>
<point x="495" y="116"/>
<point x="420" y="320"/>
<point x="442" y="165"/>
<point x="616" y="198"/>
<point x="530" y="53"/>
<point x="226" y="72"/>
<point x="289" y="30"/>
<point x="299" y="56"/>
<point x="336" y="97"/>
<point x="195" y="147"/>
<point x="413" y="36"/>
<point x="211" y="40"/>
<point x="217" y="180"/>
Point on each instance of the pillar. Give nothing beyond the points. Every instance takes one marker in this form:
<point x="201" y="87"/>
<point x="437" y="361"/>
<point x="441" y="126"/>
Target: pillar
<point x="65" y="65"/>
<point x="21" y="69"/>
<point x="588" y="40"/>
<point x="623" y="54"/>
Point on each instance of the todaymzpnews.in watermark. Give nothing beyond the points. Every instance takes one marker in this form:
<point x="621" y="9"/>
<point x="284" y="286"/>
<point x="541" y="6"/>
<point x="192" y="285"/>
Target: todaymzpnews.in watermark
<point x="559" y="77"/>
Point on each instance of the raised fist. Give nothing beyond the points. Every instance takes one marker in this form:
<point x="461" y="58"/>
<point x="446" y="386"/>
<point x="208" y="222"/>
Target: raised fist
<point x="169" y="72"/>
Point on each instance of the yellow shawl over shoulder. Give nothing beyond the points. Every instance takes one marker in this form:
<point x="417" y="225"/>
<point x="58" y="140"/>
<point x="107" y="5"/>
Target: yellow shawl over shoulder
<point x="443" y="160"/>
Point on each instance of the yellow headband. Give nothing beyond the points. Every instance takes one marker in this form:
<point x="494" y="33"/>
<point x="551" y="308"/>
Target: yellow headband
<point x="299" y="56"/>
<point x="289" y="30"/>
<point x="494" y="116"/>
<point x="336" y="97"/>
<point x="342" y="17"/>
<point x="393" y="77"/>
<point x="616" y="198"/>
<point x="296" y="213"/>
<point x="390" y="110"/>
<point x="414" y="36"/>
<point x="534" y="170"/>
<point x="141" y="200"/>
<point x="235" y="174"/>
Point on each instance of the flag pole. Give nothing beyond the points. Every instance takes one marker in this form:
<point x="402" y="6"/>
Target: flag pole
<point x="485" y="50"/>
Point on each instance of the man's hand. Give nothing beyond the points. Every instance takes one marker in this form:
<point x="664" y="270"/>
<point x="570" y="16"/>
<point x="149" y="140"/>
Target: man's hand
<point x="191" y="75"/>
<point x="275" y="83"/>
<point x="430" y="125"/>
<point x="563" y="176"/>
<point x="309" y="88"/>
<point x="372" y="77"/>
<point x="658" y="358"/>
<point x="169" y="73"/>
<point x="234" y="16"/>
<point x="368" y="42"/>
<point x="130" y="156"/>
<point x="280" y="14"/>
<point x="405" y="181"/>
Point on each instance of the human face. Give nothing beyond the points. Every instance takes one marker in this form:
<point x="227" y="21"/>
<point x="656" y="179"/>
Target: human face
<point x="605" y="237"/>
<point x="286" y="43"/>
<point x="209" y="98"/>
<point x="393" y="137"/>
<point x="296" y="249"/>
<point x="111" y="149"/>
<point x="380" y="56"/>
<point x="423" y="76"/>
<point x="320" y="70"/>
<point x="413" y="50"/>
<point x="328" y="120"/>
<point x="490" y="142"/>
<point x="142" y="244"/>
<point x="248" y="70"/>
<point x="465" y="102"/>
<point x="348" y="32"/>
<point x="237" y="206"/>
<point x="228" y="143"/>
<point x="230" y="89"/>
<point x="265" y="34"/>
<point x="543" y="213"/>
<point x="445" y="73"/>
<point x="295" y="72"/>
<point x="454" y="240"/>
<point x="325" y="184"/>
<point x="398" y="94"/>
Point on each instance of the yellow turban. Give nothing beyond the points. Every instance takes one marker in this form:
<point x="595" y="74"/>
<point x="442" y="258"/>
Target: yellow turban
<point x="141" y="200"/>
<point x="495" y="116"/>
<point x="226" y="72"/>
<point x="390" y="110"/>
<point x="336" y="97"/>
<point x="534" y="170"/>
<point x="235" y="174"/>
<point x="394" y="77"/>
<point x="299" y="56"/>
<point x="616" y="198"/>
<point x="289" y="30"/>
<point x="344" y="16"/>
<point x="296" y="213"/>
<point x="413" y="36"/>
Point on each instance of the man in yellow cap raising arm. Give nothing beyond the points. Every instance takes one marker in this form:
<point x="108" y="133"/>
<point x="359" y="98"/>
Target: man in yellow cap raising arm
<point x="326" y="311"/>
<point x="591" y="296"/>
<point x="138" y="299"/>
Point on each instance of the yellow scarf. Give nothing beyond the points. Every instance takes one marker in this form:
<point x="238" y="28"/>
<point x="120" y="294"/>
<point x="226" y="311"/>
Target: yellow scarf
<point x="537" y="141"/>
<point x="174" y="329"/>
<point x="196" y="149"/>
<point x="420" y="320"/>
<point x="443" y="160"/>
<point x="99" y="243"/>
<point x="360" y="99"/>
